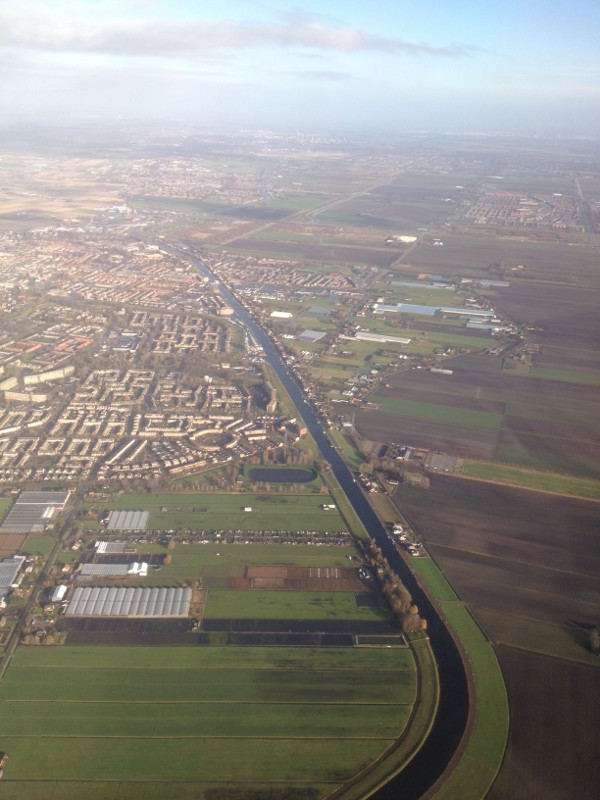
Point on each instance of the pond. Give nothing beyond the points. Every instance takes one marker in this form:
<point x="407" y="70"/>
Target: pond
<point x="282" y="475"/>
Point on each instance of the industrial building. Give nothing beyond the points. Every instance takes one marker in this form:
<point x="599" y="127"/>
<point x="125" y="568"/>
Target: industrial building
<point x="433" y="311"/>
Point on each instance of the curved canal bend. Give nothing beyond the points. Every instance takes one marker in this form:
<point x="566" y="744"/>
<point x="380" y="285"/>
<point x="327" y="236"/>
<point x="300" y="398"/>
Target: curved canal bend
<point x="451" y="718"/>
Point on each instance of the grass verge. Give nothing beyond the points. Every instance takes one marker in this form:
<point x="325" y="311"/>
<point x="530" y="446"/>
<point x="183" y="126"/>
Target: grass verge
<point x="482" y="758"/>
<point x="585" y="488"/>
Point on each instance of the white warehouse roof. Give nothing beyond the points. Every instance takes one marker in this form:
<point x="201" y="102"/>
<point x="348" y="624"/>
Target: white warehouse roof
<point x="129" y="602"/>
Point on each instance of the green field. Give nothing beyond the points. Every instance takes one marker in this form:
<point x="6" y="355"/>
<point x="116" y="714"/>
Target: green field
<point x="197" y="686"/>
<point x="272" y="604"/>
<point x="224" y="561"/>
<point x="565" y="375"/>
<point x="210" y="560"/>
<point x="39" y="545"/>
<point x="432" y="577"/>
<point x="273" y="512"/>
<point x="205" y="716"/>
<point x="5" y="504"/>
<point x="533" y="479"/>
<point x="352" y="456"/>
<point x="438" y="412"/>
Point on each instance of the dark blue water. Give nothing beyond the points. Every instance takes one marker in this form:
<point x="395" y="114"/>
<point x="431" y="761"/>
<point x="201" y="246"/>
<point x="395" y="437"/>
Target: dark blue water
<point x="289" y="475"/>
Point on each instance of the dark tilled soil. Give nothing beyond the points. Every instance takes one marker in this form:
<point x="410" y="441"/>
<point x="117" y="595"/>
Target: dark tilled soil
<point x="535" y="558"/>
<point x="554" y="737"/>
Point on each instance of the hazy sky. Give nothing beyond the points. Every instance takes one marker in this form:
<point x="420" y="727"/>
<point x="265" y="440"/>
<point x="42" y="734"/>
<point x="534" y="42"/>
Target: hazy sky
<point x="523" y="66"/>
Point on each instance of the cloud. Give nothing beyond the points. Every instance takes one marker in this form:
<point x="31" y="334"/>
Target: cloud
<point x="322" y="75"/>
<point x="56" y="31"/>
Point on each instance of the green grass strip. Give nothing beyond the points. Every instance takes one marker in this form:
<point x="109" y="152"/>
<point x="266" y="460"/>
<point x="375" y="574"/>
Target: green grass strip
<point x="5" y="504"/>
<point x="415" y="409"/>
<point x="351" y="454"/>
<point x="585" y="488"/>
<point x="484" y="752"/>
<point x="431" y="576"/>
<point x="564" y="376"/>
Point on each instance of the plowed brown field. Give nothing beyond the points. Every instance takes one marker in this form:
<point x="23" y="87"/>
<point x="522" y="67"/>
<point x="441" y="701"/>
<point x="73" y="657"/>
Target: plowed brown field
<point x="528" y="565"/>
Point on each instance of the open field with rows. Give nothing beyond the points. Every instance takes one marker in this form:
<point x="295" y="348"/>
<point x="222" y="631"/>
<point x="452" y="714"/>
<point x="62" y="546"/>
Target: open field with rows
<point x="554" y="708"/>
<point x="527" y="564"/>
<point x="205" y="716"/>
<point x="487" y="412"/>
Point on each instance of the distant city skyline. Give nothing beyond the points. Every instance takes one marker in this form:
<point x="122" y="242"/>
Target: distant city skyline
<point x="516" y="67"/>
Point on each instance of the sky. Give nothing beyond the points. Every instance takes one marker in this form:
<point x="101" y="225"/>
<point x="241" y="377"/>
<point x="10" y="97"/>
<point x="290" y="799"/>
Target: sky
<point x="515" y="66"/>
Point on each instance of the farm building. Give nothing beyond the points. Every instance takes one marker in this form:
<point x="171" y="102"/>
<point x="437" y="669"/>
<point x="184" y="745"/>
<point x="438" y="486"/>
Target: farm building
<point x="110" y="548"/>
<point x="58" y="593"/>
<point x="9" y="571"/>
<point x="127" y="520"/>
<point x="369" y="336"/>
<point x="433" y="311"/>
<point x="94" y="571"/>
<point x="56" y="499"/>
<point x="33" y="511"/>
<point x="310" y="336"/>
<point x="129" y="602"/>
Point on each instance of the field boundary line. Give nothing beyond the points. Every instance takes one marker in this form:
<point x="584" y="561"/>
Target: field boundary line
<point x="168" y="781"/>
<point x="542" y="654"/>
<point x="218" y="668"/>
<point x="344" y="703"/>
<point x="513" y="561"/>
<point x="207" y="736"/>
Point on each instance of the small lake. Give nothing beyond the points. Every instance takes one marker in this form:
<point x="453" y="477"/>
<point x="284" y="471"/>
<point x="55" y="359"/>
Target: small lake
<point x="284" y="475"/>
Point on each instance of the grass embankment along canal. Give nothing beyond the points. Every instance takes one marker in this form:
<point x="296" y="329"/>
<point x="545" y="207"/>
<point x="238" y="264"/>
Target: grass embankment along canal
<point x="483" y="754"/>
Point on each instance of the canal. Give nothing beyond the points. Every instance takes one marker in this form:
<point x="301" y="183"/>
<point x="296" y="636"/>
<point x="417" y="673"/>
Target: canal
<point x="451" y="719"/>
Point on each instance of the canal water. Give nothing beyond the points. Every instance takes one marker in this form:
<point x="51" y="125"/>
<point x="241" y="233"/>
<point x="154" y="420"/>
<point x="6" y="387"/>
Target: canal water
<point x="451" y="719"/>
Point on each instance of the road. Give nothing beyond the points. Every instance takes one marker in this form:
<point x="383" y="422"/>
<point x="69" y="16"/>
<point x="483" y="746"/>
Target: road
<point x="33" y="599"/>
<point x="586" y="214"/>
<point x="312" y="213"/>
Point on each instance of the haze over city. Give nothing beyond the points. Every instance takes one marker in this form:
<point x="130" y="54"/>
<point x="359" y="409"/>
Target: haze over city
<point x="510" y="68"/>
